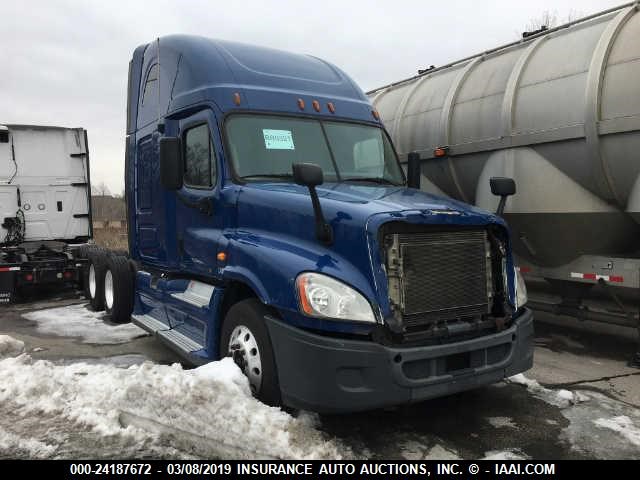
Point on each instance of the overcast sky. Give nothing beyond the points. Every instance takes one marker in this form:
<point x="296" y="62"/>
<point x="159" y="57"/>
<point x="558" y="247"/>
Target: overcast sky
<point x="65" y="62"/>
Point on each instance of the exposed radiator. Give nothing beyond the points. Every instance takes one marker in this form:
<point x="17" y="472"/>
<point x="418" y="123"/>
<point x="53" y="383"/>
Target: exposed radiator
<point x="439" y="275"/>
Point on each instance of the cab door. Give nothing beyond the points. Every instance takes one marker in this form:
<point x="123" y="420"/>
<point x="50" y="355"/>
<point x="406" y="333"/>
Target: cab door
<point x="198" y="207"/>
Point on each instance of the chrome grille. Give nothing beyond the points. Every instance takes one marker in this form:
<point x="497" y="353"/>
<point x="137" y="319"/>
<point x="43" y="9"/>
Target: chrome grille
<point x="439" y="275"/>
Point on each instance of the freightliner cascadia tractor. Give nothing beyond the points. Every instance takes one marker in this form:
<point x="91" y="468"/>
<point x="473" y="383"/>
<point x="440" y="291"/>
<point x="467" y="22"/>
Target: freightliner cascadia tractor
<point x="270" y="220"/>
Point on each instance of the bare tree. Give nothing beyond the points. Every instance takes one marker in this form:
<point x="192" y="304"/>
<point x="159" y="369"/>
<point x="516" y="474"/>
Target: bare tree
<point x="102" y="190"/>
<point x="545" y="19"/>
<point x="548" y="19"/>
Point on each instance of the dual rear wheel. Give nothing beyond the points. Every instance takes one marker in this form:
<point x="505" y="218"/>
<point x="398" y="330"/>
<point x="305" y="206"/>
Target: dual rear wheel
<point x="109" y="284"/>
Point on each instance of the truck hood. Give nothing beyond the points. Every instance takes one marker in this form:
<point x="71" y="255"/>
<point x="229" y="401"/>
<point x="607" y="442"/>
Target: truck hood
<point x="275" y="223"/>
<point x="361" y="201"/>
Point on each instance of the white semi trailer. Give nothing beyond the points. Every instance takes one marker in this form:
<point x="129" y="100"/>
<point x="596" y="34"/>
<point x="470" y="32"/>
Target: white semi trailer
<point x="45" y="207"/>
<point x="559" y="112"/>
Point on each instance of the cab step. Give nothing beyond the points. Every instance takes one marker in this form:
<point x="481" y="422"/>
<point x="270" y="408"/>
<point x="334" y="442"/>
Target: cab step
<point x="149" y="323"/>
<point x="180" y="341"/>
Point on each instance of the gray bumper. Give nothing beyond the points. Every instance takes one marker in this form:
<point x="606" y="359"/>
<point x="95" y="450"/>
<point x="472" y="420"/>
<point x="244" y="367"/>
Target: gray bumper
<point x="331" y="375"/>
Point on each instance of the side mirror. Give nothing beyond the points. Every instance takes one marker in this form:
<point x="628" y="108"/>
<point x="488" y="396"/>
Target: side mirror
<point x="503" y="187"/>
<point x="307" y="174"/>
<point x="413" y="170"/>
<point x="171" y="163"/>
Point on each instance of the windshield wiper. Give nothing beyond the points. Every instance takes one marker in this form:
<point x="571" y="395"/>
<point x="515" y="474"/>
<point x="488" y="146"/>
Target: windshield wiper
<point x="381" y="180"/>
<point x="268" y="175"/>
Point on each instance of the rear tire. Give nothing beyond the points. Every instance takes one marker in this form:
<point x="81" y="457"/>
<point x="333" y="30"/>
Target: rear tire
<point x="118" y="289"/>
<point x="94" y="288"/>
<point x="247" y="319"/>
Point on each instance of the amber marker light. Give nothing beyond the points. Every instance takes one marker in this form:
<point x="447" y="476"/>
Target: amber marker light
<point x="222" y="257"/>
<point x="304" y="301"/>
<point x="375" y="114"/>
<point x="331" y="107"/>
<point x="301" y="104"/>
<point x="441" y="152"/>
<point x="316" y="105"/>
<point x="236" y="98"/>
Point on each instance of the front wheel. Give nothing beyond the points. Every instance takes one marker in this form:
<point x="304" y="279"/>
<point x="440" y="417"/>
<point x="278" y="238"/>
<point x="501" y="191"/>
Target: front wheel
<point x="245" y="338"/>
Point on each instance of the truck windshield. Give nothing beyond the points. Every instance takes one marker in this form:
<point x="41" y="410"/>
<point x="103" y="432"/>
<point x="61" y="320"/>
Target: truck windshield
<point x="265" y="147"/>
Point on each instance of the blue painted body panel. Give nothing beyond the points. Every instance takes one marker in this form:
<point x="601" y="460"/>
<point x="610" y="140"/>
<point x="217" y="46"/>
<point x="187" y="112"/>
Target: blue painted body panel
<point x="266" y="229"/>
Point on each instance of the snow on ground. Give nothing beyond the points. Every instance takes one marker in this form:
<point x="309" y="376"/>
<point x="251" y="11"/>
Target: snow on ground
<point x="515" y="454"/>
<point x="415" y="450"/>
<point x="559" y="398"/>
<point x="10" y="347"/>
<point x="120" y="361"/>
<point x="623" y="425"/>
<point x="158" y="403"/>
<point x="502" y="422"/>
<point x="616" y="434"/>
<point x="439" y="452"/>
<point x="78" y="321"/>
<point x="16" y="446"/>
<point x="615" y="418"/>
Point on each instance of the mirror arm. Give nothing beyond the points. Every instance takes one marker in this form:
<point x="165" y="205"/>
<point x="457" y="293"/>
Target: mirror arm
<point x="503" y="201"/>
<point x="324" y="232"/>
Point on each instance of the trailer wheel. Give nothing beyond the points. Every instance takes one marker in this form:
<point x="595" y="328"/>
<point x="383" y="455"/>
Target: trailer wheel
<point x="94" y="289"/>
<point x="118" y="289"/>
<point x="245" y="338"/>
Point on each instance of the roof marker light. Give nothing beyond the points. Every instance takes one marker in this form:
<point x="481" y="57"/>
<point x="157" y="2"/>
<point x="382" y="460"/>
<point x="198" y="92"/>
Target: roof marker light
<point x="316" y="105"/>
<point x="331" y="107"/>
<point x="236" y="98"/>
<point x="301" y="104"/>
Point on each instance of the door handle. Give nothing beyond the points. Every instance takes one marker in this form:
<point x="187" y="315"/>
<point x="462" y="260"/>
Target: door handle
<point x="204" y="205"/>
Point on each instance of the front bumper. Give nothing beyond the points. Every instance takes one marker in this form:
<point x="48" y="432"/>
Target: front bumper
<point x="332" y="375"/>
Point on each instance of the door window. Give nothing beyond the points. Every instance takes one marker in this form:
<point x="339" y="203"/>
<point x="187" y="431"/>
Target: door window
<point x="199" y="159"/>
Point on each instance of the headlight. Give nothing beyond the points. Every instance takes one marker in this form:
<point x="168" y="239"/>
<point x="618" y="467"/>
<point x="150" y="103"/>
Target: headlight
<point x="323" y="296"/>
<point x="521" y="290"/>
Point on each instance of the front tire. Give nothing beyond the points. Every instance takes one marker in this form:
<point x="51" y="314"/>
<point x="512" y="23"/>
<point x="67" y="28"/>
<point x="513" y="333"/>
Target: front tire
<point x="245" y="338"/>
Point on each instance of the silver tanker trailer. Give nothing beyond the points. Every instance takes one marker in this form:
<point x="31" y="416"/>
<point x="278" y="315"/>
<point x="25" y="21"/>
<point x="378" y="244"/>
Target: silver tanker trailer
<point x="559" y="112"/>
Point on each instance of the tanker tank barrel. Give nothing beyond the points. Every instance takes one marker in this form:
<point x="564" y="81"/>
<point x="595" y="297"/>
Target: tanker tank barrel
<point x="559" y="113"/>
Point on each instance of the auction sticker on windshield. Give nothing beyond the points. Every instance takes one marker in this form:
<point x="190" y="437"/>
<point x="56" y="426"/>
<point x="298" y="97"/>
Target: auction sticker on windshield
<point x="278" y="139"/>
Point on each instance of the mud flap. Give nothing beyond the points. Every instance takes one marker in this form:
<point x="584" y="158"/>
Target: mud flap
<point x="7" y="284"/>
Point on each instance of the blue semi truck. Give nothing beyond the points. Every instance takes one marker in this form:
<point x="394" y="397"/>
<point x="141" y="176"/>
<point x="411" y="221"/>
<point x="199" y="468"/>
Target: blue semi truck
<point x="270" y="220"/>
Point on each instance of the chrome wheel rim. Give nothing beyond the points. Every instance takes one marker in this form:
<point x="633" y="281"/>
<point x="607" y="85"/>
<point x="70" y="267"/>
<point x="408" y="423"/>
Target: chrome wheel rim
<point x="108" y="289"/>
<point x="243" y="348"/>
<point x="92" y="281"/>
